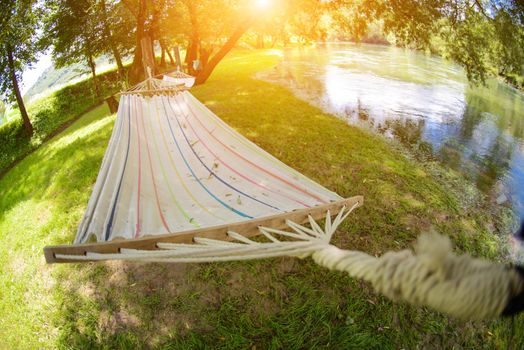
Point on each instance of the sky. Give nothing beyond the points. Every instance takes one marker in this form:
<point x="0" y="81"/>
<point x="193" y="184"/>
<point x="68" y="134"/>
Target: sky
<point x="30" y="75"/>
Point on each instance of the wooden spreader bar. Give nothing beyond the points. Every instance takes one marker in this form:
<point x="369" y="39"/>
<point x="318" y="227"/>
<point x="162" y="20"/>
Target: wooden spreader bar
<point x="245" y="228"/>
<point x="153" y="92"/>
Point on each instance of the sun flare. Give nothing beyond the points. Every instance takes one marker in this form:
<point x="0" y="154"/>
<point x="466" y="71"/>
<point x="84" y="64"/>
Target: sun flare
<point x="262" y="4"/>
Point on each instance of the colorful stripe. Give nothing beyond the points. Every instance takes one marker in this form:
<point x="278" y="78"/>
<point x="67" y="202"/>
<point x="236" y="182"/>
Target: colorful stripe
<point x="195" y="176"/>
<point x="182" y="182"/>
<point x="215" y="174"/>
<point x="240" y="174"/>
<point x="117" y="131"/>
<point x="137" y="228"/>
<point x="109" y="226"/>
<point x="189" y="219"/>
<point x="164" y="222"/>
<point x="217" y="121"/>
<point x="255" y="165"/>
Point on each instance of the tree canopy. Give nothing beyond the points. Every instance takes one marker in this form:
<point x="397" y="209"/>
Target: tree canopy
<point x="484" y="36"/>
<point x="79" y="31"/>
<point x="19" y="26"/>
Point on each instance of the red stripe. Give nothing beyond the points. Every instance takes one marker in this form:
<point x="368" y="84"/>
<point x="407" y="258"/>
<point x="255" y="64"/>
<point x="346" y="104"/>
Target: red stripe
<point x="153" y="178"/>
<point x="255" y="165"/>
<point x="137" y="227"/>
<point x="241" y="175"/>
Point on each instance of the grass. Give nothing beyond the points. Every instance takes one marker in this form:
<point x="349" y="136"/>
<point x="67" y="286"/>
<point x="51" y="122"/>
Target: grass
<point x="48" y="114"/>
<point x="278" y="303"/>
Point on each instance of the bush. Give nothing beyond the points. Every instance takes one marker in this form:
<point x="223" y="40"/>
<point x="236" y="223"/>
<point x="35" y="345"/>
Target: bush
<point x="13" y="142"/>
<point x="49" y="113"/>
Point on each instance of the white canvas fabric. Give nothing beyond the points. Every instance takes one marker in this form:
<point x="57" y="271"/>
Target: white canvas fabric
<point x="172" y="166"/>
<point x="180" y="78"/>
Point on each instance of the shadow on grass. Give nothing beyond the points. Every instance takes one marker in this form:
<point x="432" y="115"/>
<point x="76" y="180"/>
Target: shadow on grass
<point x="64" y="166"/>
<point x="279" y="303"/>
<point x="282" y="303"/>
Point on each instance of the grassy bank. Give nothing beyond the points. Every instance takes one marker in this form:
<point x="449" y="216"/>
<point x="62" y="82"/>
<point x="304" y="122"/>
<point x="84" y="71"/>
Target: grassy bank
<point x="48" y="114"/>
<point x="278" y="303"/>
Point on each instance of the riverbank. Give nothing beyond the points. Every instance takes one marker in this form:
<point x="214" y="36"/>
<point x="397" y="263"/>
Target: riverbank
<point x="423" y="106"/>
<point x="279" y="303"/>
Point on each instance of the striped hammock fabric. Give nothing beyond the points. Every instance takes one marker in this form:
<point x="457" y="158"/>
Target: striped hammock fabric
<point x="180" y="78"/>
<point x="172" y="165"/>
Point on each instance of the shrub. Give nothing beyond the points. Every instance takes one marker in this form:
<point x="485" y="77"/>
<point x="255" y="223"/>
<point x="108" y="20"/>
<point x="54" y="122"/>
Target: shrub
<point x="49" y="113"/>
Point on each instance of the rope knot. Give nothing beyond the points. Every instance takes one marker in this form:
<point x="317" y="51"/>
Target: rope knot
<point x="458" y="285"/>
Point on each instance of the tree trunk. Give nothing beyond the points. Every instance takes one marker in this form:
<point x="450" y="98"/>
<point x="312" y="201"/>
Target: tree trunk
<point x="28" y="127"/>
<point x="230" y="43"/>
<point x="204" y="56"/>
<point x="176" y="50"/>
<point x="194" y="43"/>
<point x="136" y="67"/>
<point x="153" y="31"/>
<point x="273" y="41"/>
<point x="111" y="41"/>
<point x="163" y="57"/>
<point x="170" y="57"/>
<point x="118" y="60"/>
<point x="260" y="41"/>
<point x="92" y="66"/>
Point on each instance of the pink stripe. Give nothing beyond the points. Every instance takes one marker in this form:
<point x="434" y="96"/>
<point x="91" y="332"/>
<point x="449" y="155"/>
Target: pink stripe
<point x="241" y="175"/>
<point x="137" y="228"/>
<point x="153" y="179"/>
<point x="255" y="165"/>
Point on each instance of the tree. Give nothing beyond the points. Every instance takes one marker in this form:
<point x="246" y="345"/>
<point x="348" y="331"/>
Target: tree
<point x="18" y="33"/>
<point x="2" y="110"/>
<point x="484" y="36"/>
<point x="139" y="10"/>
<point x="116" y="26"/>
<point x="75" y="35"/>
<point x="206" y="25"/>
<point x="210" y="35"/>
<point x="80" y="31"/>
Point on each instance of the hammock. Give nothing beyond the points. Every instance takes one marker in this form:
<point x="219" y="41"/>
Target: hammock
<point x="177" y="184"/>
<point x="173" y="170"/>
<point x="179" y="78"/>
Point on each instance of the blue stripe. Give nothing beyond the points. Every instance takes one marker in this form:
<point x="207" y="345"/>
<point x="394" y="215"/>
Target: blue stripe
<point x="114" y="138"/>
<point x="214" y="174"/>
<point x="195" y="176"/>
<point x="113" y="210"/>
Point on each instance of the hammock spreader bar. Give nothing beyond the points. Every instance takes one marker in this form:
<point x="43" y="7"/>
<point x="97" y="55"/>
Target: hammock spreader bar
<point x="433" y="276"/>
<point x="245" y="228"/>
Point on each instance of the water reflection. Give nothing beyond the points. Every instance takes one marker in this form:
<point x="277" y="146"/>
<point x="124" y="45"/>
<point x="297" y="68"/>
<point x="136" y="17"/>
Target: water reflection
<point x="425" y="103"/>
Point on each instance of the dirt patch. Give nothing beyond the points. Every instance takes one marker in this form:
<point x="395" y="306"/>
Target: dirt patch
<point x="44" y="214"/>
<point x="118" y="320"/>
<point x="286" y="265"/>
<point x="87" y="290"/>
<point x="416" y="223"/>
<point x="18" y="265"/>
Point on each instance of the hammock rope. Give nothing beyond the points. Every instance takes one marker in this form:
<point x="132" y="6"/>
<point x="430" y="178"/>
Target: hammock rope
<point x="211" y="161"/>
<point x="461" y="286"/>
<point x="458" y="285"/>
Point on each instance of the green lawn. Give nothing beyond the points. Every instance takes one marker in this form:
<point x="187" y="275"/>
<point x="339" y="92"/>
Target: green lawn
<point x="49" y="114"/>
<point x="279" y="303"/>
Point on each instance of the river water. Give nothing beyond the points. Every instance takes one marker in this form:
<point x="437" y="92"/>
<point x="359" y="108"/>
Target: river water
<point x="422" y="101"/>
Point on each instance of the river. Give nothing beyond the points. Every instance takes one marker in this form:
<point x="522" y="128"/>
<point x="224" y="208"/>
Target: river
<point x="423" y="101"/>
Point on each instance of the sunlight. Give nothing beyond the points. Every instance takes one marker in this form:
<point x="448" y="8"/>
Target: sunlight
<point x="262" y="4"/>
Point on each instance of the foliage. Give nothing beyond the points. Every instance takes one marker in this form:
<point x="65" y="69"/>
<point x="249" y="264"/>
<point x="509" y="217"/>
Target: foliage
<point x="2" y="110"/>
<point x="18" y="26"/>
<point x="484" y="36"/>
<point x="277" y="303"/>
<point x="83" y="30"/>
<point x="48" y="115"/>
<point x="18" y="30"/>
<point x="72" y="31"/>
